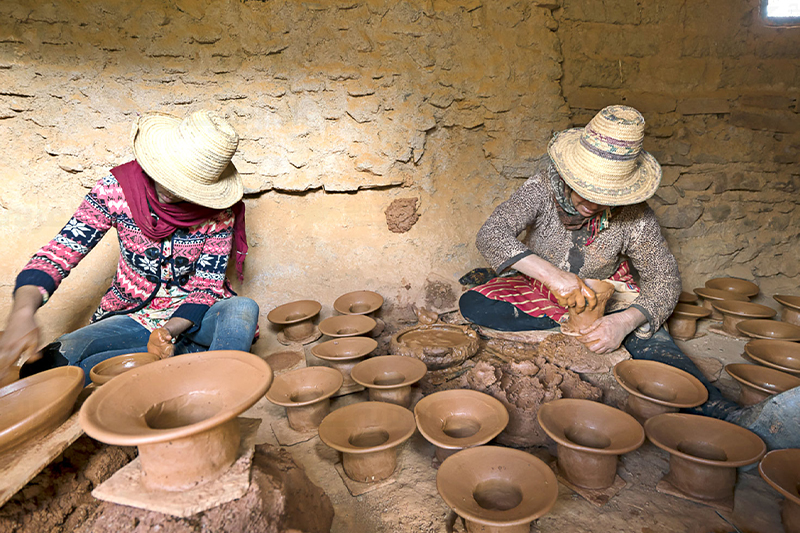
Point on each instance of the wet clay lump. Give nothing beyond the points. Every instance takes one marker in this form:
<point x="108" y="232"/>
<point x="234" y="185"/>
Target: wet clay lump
<point x="578" y="322"/>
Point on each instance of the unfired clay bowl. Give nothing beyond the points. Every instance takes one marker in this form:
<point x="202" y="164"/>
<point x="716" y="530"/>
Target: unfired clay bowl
<point x="734" y="312"/>
<point x="343" y="354"/>
<point x="704" y="452"/>
<point x="687" y="297"/>
<point x="37" y="404"/>
<point x="358" y="303"/>
<point x="452" y="420"/>
<point x="769" y="329"/>
<point x="777" y="354"/>
<point x="590" y="437"/>
<point x="180" y="412"/>
<point x="781" y="469"/>
<point x="305" y="393"/>
<point x="579" y="321"/>
<point x="759" y="383"/>
<point x="496" y="489"/>
<point x="296" y="319"/>
<point x="389" y="377"/>
<point x="368" y="434"/>
<point x="683" y="321"/>
<point x="347" y="325"/>
<point x="103" y="371"/>
<point x="740" y="286"/>
<point x="657" y="388"/>
<point x="437" y="345"/>
<point x="710" y="295"/>
<point x="790" y="312"/>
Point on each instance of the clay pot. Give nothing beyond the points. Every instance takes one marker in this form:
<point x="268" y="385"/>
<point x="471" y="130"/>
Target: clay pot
<point x="296" y="319"/>
<point x="734" y="312"/>
<point x="452" y="420"/>
<point x="305" y="393"/>
<point x="389" y="377"/>
<point x="655" y="388"/>
<point x="781" y="469"/>
<point x="682" y="322"/>
<point x="759" y="383"/>
<point x="368" y="434"/>
<point x="579" y="321"/>
<point x="769" y="329"/>
<point x="590" y="437"/>
<point x="687" y="297"/>
<point x="103" y="371"/>
<point x="711" y="295"/>
<point x="358" y="303"/>
<point x="437" y="345"/>
<point x="180" y="412"/>
<point x="347" y="325"/>
<point x="37" y="404"/>
<point x="497" y="490"/>
<point x="790" y="312"/>
<point x="343" y="354"/>
<point x="777" y="354"/>
<point x="740" y="286"/>
<point x="704" y="452"/>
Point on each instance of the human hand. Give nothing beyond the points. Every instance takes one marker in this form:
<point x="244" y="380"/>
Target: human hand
<point x="160" y="343"/>
<point x="571" y="291"/>
<point x="606" y="333"/>
<point x="18" y="344"/>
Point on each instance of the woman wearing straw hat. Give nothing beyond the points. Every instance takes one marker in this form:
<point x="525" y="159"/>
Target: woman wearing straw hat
<point x="178" y="213"/>
<point x="585" y="217"/>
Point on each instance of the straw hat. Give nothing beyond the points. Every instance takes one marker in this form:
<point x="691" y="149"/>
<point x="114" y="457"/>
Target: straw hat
<point x="191" y="158"/>
<point x="604" y="162"/>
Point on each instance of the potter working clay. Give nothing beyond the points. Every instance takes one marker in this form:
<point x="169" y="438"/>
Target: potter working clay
<point x="181" y="414"/>
<point x="734" y="312"/>
<point x="580" y="321"/>
<point x="781" y="469"/>
<point x="497" y="490"/>
<point x="389" y="377"/>
<point x="740" y="286"/>
<point x="437" y="345"/>
<point x="711" y="295"/>
<point x="769" y="329"/>
<point x="368" y="434"/>
<point x="297" y="321"/>
<point x="343" y="354"/>
<point x="103" y="372"/>
<point x="682" y="322"/>
<point x="790" y="312"/>
<point x="358" y="303"/>
<point x="778" y="354"/>
<point x="759" y="383"/>
<point x="347" y="325"/>
<point x="178" y="216"/>
<point x="305" y="393"/>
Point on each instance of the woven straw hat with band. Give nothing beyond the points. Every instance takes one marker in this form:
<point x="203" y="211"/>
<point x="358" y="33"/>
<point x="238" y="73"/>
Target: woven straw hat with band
<point x="190" y="158"/>
<point x="604" y="162"/>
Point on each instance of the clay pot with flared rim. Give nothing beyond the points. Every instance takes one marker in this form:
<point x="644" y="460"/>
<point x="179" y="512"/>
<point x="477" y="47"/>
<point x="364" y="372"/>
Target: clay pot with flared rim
<point x="455" y="419"/>
<point x="682" y="322"/>
<point x="345" y="353"/>
<point x="734" y="312"/>
<point x="712" y="295"/>
<point x="496" y="489"/>
<point x="103" y="371"/>
<point x="347" y="325"/>
<point x="739" y="286"/>
<point x="781" y="470"/>
<point x="655" y="388"/>
<point x="368" y="434"/>
<point x="389" y="377"/>
<point x="305" y="393"/>
<point x="296" y="319"/>
<point x="704" y="452"/>
<point x="358" y="303"/>
<point x="790" y="312"/>
<point x="759" y="383"/>
<point x="37" y="404"/>
<point x="180" y="412"/>
<point x="437" y="345"/>
<point x="590" y="437"/>
<point x="777" y="354"/>
<point x="579" y="321"/>
<point x="687" y="297"/>
<point x="769" y="329"/>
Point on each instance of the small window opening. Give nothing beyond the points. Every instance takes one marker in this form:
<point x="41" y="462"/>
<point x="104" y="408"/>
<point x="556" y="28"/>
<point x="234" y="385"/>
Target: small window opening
<point x="781" y="12"/>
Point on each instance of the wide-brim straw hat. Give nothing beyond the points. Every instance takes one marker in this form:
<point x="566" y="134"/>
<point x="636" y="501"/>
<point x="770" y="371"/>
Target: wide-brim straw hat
<point x="604" y="161"/>
<point x="190" y="157"/>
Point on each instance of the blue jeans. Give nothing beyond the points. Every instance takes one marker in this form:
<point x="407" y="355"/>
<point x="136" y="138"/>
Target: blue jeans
<point x="227" y="325"/>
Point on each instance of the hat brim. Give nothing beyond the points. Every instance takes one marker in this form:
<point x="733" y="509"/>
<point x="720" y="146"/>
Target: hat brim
<point x="573" y="163"/>
<point x="149" y="137"/>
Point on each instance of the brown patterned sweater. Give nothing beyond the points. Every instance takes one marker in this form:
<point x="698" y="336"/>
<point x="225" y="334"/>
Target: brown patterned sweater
<point x="633" y="233"/>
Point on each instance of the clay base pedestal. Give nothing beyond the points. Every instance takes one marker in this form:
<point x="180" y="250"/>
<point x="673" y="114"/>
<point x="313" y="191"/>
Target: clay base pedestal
<point x="790" y="516"/>
<point x="286" y="436"/>
<point x="443" y="453"/>
<point x="356" y="488"/>
<point x="588" y="470"/>
<point x="369" y="467"/>
<point x="791" y="316"/>
<point x="682" y="329"/>
<point x="348" y="389"/>
<point x="715" y="315"/>
<point x="307" y="418"/>
<point x="751" y="396"/>
<point x="400" y="396"/>
<point x="707" y="484"/>
<point x="308" y="339"/>
<point x="642" y="409"/>
<point x="474" y="527"/>
<point x="665" y="487"/>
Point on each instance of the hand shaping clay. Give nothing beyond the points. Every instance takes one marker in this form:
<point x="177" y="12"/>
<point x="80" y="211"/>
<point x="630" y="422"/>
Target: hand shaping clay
<point x="578" y="322"/>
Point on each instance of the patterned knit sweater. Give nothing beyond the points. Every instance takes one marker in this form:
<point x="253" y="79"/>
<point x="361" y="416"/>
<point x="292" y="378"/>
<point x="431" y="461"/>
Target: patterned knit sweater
<point x="633" y="233"/>
<point x="199" y="256"/>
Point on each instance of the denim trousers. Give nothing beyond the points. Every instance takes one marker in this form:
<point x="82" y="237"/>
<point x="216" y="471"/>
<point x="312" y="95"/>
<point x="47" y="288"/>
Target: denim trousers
<point x="227" y="325"/>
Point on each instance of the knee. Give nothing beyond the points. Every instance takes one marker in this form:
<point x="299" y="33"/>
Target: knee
<point x="244" y="308"/>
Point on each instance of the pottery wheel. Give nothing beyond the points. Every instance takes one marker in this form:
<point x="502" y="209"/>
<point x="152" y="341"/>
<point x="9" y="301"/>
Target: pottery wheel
<point x="437" y="345"/>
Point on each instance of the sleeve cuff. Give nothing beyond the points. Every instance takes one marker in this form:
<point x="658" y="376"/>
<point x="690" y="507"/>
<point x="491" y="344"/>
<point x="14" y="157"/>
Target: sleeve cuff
<point x="36" y="278"/>
<point x="508" y="262"/>
<point x="193" y="313"/>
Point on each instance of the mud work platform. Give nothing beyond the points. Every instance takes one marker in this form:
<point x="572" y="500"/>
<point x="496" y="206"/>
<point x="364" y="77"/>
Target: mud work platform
<point x="59" y="501"/>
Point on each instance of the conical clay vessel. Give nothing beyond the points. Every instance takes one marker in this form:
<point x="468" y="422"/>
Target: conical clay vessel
<point x="580" y="321"/>
<point x="781" y="469"/>
<point x="347" y="325"/>
<point x="790" y="312"/>
<point x="368" y="434"/>
<point x="734" y="312"/>
<point x="777" y="354"/>
<point x="296" y="319"/>
<point x="343" y="354"/>
<point x="739" y="286"/>
<point x="389" y="377"/>
<point x="452" y="420"/>
<point x="769" y="329"/>
<point x="305" y="393"/>
<point x="715" y="295"/>
<point x="655" y="388"/>
<point x="358" y="303"/>
<point x="704" y="453"/>
<point x="497" y="490"/>
<point x="103" y="371"/>
<point x="682" y="322"/>
<point x="759" y="383"/>
<point x="590" y="436"/>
